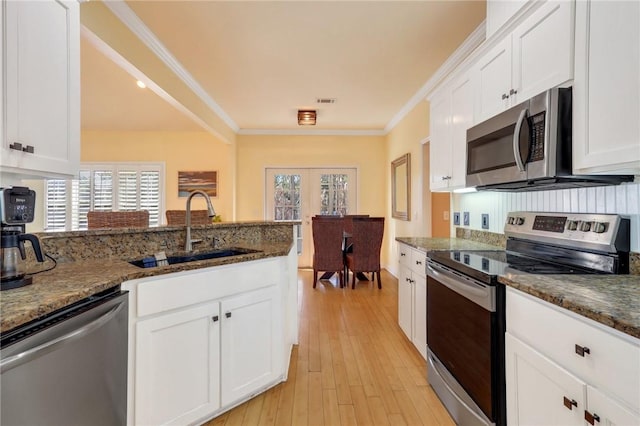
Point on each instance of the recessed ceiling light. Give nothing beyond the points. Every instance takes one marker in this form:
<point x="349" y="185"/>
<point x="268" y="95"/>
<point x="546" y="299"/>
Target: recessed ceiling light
<point x="141" y="84"/>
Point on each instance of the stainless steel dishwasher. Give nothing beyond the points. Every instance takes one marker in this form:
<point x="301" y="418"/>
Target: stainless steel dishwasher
<point x="69" y="368"/>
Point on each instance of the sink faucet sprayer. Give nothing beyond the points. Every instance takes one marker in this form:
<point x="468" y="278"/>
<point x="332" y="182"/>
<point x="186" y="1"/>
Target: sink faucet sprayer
<point x="188" y="245"/>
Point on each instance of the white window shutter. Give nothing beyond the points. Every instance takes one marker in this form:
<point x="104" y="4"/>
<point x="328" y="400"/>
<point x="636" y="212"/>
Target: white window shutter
<point x="55" y="205"/>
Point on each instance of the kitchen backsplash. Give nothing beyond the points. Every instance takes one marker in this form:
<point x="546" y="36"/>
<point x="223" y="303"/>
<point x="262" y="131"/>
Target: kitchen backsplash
<point x="622" y="199"/>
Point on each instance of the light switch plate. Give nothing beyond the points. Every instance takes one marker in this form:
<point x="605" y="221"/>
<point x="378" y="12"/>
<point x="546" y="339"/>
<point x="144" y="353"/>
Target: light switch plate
<point x="456" y="218"/>
<point x="485" y="221"/>
<point x="465" y="218"/>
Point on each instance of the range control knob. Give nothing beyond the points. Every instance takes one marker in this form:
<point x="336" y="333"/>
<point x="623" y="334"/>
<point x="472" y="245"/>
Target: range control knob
<point x="585" y="226"/>
<point x="573" y="225"/>
<point x="519" y="220"/>
<point x="600" y="227"/>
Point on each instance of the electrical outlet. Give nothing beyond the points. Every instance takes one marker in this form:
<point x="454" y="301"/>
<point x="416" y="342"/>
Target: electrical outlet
<point x="465" y="218"/>
<point x="456" y="218"/>
<point x="485" y="221"/>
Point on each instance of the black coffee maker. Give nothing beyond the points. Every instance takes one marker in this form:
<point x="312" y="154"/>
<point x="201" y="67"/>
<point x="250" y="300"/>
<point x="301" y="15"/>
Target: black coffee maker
<point x="17" y="206"/>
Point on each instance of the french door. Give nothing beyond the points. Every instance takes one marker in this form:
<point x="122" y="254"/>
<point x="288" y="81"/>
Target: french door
<point x="299" y="194"/>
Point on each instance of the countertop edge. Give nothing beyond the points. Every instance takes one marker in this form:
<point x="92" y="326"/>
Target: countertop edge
<point x="125" y="272"/>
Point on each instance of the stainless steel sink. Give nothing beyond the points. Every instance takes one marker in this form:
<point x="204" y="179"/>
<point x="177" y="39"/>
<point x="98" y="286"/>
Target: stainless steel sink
<point x="149" y="262"/>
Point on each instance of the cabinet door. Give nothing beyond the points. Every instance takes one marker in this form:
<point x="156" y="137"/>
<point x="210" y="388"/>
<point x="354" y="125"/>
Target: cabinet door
<point x="462" y="108"/>
<point x="42" y="75"/>
<point x="492" y="74"/>
<point x="543" y="50"/>
<point x="405" y="290"/>
<point x="607" y="410"/>
<point x="440" y="142"/>
<point x="419" y="336"/>
<point x="177" y="370"/>
<point x="499" y="12"/>
<point x="538" y="389"/>
<point x="606" y="91"/>
<point x="251" y="343"/>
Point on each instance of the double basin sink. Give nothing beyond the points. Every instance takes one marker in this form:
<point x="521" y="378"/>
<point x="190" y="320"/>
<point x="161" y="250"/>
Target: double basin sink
<point x="150" y="262"/>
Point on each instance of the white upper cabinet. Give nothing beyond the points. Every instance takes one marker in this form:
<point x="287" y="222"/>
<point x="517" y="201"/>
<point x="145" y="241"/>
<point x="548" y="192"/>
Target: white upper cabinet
<point x="452" y="113"/>
<point x="41" y="98"/>
<point x="499" y="12"/>
<point x="606" y="91"/>
<point x="537" y="55"/>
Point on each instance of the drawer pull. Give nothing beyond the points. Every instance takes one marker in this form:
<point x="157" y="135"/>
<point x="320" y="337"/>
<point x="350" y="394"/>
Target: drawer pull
<point x="402" y="254"/>
<point x="228" y="314"/>
<point x="581" y="350"/>
<point x="418" y="262"/>
<point x="215" y="318"/>
<point x="591" y="418"/>
<point x="408" y="279"/>
<point x="570" y="403"/>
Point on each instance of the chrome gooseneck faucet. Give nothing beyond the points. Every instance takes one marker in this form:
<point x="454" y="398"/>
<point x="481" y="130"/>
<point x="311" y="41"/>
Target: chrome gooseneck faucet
<point x="188" y="245"/>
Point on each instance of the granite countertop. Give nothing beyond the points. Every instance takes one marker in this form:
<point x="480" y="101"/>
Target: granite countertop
<point x="73" y="281"/>
<point x="433" y="244"/>
<point x="612" y="300"/>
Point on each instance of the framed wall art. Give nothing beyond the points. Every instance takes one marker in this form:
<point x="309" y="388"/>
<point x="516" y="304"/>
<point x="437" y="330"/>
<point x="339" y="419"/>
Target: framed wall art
<point x="206" y="181"/>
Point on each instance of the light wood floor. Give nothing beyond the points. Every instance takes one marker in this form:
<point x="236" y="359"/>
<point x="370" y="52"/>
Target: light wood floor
<point x="353" y="365"/>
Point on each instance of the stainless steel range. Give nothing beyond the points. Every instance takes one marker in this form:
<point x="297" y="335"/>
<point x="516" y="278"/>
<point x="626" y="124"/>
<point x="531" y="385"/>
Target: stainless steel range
<point x="465" y="303"/>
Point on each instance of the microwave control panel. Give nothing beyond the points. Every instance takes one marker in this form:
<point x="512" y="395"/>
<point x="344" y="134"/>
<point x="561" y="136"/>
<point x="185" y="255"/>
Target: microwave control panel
<point x="537" y="125"/>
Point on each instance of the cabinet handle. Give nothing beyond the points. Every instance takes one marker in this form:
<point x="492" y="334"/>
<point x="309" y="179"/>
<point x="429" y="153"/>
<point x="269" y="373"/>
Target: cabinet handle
<point x="28" y="149"/>
<point x="228" y="314"/>
<point x="408" y="279"/>
<point x="215" y="318"/>
<point x="591" y="418"/>
<point x="505" y="96"/>
<point x="16" y="145"/>
<point x="402" y="254"/>
<point x="446" y="177"/>
<point x="418" y="262"/>
<point x="570" y="403"/>
<point x="513" y="91"/>
<point x="581" y="350"/>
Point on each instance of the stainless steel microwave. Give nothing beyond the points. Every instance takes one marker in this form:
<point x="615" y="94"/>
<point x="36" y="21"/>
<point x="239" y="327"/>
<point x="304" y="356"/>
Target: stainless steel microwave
<point x="528" y="148"/>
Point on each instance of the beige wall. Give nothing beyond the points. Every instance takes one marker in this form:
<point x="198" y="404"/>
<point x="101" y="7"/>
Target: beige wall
<point x="407" y="136"/>
<point x="255" y="153"/>
<point x="178" y="151"/>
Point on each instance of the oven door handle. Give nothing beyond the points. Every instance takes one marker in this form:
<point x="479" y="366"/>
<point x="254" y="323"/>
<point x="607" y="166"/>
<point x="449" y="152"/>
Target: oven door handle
<point x="475" y="291"/>
<point x="516" y="140"/>
<point x="31" y="353"/>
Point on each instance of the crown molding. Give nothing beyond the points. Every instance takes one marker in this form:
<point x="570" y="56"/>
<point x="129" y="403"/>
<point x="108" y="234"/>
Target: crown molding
<point x="311" y="132"/>
<point x="461" y="53"/>
<point x="120" y="9"/>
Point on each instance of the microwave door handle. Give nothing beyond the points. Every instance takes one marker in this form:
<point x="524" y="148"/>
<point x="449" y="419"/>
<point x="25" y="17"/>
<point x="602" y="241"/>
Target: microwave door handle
<point x="516" y="140"/>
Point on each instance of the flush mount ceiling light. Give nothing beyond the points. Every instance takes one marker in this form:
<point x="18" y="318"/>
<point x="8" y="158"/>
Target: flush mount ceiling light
<point x="306" y="117"/>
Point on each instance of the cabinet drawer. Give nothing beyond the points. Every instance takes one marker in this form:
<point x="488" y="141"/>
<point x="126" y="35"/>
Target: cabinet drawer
<point x="404" y="254"/>
<point x="612" y="363"/>
<point x="172" y="291"/>
<point x="418" y="262"/>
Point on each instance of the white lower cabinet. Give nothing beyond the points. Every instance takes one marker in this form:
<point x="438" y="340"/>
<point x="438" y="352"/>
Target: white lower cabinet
<point x="412" y="296"/>
<point x="178" y="368"/>
<point x="562" y="369"/>
<point x="537" y="389"/>
<point x="250" y="343"/>
<point x="202" y="341"/>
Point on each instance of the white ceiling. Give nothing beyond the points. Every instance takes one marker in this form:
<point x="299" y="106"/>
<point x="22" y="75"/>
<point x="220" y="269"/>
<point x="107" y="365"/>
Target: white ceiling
<point x="261" y="61"/>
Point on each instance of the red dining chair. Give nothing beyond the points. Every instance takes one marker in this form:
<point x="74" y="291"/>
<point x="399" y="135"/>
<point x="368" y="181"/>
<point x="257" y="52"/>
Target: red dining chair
<point x="367" y="242"/>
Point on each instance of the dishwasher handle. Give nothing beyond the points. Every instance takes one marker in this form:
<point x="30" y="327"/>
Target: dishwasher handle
<point x="477" y="292"/>
<point x="31" y="353"/>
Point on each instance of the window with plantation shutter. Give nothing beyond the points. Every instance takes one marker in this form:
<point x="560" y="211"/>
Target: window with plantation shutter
<point x="56" y="206"/>
<point x="104" y="187"/>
